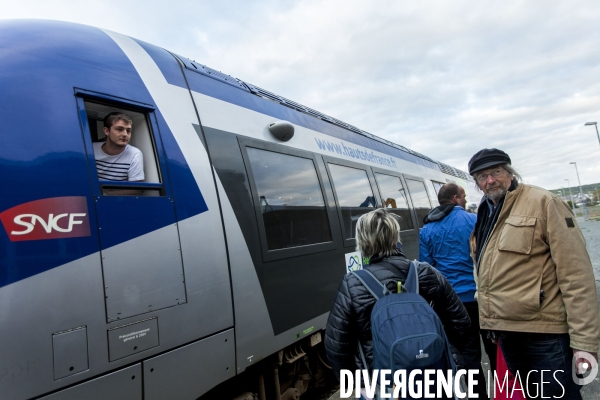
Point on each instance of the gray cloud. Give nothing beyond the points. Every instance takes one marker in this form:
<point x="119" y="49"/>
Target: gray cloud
<point x="443" y="78"/>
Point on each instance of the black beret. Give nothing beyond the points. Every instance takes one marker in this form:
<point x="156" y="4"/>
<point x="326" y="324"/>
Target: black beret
<point x="487" y="158"/>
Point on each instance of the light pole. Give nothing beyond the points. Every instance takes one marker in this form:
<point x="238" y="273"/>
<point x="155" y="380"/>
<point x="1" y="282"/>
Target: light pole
<point x="585" y="214"/>
<point x="571" y="197"/>
<point x="596" y="125"/>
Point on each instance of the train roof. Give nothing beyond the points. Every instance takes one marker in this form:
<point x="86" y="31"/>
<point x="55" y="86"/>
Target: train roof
<point x="228" y="79"/>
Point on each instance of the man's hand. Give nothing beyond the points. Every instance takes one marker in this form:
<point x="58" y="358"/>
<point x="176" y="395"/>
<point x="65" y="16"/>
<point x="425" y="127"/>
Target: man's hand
<point x="581" y="364"/>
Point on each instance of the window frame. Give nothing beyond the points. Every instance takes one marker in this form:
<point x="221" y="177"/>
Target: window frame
<point x="278" y="254"/>
<point x="81" y="96"/>
<point x="433" y="183"/>
<point x="422" y="180"/>
<point x="411" y="208"/>
<point x="350" y="242"/>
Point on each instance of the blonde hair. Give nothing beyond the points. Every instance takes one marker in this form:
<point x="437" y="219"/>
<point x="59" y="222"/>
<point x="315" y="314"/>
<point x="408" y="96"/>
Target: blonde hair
<point x="377" y="233"/>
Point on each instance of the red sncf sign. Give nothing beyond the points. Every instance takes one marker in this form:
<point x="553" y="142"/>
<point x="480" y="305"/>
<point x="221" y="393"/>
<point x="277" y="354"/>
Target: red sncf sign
<point x="54" y="218"/>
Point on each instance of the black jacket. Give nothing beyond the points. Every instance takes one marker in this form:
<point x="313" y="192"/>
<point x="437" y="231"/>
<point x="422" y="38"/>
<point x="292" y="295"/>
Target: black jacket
<point x="350" y="317"/>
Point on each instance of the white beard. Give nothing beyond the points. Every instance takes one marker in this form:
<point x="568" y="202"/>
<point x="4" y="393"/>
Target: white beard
<point x="496" y="194"/>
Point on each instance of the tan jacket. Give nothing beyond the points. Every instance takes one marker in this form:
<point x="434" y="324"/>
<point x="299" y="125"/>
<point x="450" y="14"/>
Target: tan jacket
<point x="533" y="248"/>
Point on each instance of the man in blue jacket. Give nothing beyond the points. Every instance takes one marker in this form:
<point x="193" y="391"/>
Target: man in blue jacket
<point x="444" y="244"/>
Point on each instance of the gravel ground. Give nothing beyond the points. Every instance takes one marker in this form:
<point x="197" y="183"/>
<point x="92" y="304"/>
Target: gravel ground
<point x="591" y="232"/>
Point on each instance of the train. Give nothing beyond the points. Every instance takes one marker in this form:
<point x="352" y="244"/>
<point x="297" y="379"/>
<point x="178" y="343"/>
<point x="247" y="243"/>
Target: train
<point x="213" y="276"/>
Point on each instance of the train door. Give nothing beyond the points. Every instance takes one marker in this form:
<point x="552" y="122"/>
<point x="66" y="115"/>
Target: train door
<point x="396" y="199"/>
<point x="139" y="240"/>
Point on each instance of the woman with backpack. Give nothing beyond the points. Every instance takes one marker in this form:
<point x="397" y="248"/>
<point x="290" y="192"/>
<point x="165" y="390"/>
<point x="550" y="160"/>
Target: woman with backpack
<point x="349" y="323"/>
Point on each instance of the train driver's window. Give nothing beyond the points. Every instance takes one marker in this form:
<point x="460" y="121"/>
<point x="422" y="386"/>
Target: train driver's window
<point x="290" y="197"/>
<point x="354" y="195"/>
<point x="114" y="172"/>
<point x="395" y="198"/>
<point x="420" y="200"/>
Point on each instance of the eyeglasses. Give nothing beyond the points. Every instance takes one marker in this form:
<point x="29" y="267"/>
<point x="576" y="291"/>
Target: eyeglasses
<point x="481" y="178"/>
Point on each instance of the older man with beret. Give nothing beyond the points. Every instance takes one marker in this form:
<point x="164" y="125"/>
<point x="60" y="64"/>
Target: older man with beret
<point x="535" y="285"/>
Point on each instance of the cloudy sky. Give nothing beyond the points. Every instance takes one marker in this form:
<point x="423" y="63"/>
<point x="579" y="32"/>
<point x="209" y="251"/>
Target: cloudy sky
<point x="445" y="78"/>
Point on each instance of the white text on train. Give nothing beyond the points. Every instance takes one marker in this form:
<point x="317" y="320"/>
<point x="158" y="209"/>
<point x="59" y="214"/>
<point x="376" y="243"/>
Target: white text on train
<point x="51" y="224"/>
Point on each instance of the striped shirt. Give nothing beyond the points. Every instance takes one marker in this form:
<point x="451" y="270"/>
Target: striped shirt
<point x="126" y="166"/>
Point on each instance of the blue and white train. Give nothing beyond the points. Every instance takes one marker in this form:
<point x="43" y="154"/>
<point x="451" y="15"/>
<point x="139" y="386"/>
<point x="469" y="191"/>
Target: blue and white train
<point x="218" y="273"/>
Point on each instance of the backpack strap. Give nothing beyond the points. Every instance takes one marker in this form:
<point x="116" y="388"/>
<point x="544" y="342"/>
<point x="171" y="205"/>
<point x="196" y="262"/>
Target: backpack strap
<point x="373" y="285"/>
<point x="411" y="283"/>
<point x="412" y="280"/>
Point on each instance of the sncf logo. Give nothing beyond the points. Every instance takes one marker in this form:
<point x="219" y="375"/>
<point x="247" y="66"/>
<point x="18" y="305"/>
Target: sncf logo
<point x="55" y="218"/>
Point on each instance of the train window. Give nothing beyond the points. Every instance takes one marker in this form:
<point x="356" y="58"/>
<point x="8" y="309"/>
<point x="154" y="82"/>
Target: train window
<point x="437" y="186"/>
<point x="420" y="200"/>
<point x="395" y="198"/>
<point x="124" y="175"/>
<point x="354" y="195"/>
<point x="290" y="198"/>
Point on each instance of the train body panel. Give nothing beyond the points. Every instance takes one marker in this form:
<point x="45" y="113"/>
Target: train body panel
<point x="124" y="384"/>
<point x="229" y="251"/>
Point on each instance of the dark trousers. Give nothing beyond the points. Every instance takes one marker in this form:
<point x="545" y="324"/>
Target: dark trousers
<point x="545" y="355"/>
<point x="472" y="351"/>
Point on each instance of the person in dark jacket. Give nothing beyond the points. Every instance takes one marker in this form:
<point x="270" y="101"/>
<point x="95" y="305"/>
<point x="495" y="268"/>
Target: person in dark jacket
<point x="444" y="244"/>
<point x="377" y="234"/>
